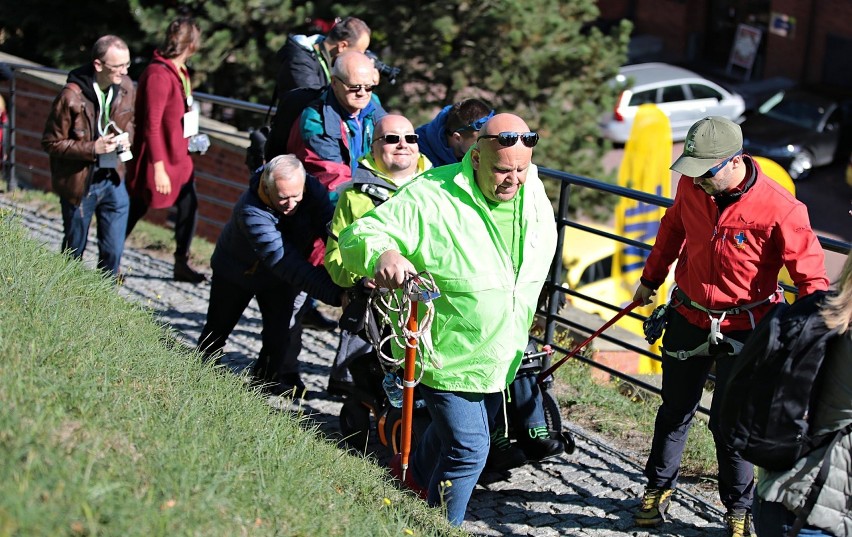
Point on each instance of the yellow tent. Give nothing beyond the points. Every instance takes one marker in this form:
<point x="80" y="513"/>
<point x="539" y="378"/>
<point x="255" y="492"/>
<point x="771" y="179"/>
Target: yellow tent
<point x="645" y="167"/>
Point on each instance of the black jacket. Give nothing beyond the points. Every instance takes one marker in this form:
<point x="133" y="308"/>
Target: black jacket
<point x="299" y="66"/>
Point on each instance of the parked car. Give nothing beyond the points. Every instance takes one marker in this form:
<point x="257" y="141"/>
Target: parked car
<point x="684" y="96"/>
<point x="797" y="128"/>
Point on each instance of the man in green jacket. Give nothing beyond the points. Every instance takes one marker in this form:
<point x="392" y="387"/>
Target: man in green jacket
<point x="485" y="230"/>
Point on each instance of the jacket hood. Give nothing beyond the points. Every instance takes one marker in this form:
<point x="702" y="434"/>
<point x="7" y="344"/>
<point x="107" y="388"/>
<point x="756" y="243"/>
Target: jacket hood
<point x="85" y="78"/>
<point x="433" y="141"/>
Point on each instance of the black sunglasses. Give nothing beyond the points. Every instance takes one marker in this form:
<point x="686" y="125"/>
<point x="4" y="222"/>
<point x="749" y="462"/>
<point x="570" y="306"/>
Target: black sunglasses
<point x="508" y="139"/>
<point x="355" y="88"/>
<point x="394" y="138"/>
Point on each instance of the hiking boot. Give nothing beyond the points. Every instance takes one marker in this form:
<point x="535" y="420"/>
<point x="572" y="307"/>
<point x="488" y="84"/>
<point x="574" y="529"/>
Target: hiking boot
<point x="314" y="318"/>
<point x="739" y="523"/>
<point x="184" y="273"/>
<point x="395" y="468"/>
<point x="502" y="455"/>
<point x="652" y="512"/>
<point x="540" y="446"/>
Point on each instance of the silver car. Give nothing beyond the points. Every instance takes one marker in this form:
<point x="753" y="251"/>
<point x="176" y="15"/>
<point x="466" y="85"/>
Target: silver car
<point x="685" y="97"/>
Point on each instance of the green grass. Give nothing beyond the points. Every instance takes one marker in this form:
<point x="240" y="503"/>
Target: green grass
<point x="625" y="414"/>
<point x="107" y="428"/>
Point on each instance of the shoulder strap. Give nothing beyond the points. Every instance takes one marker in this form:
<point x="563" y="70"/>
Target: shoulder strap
<point x="376" y="188"/>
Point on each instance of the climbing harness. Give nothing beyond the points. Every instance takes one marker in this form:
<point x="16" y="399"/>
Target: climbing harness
<point x="715" y="337"/>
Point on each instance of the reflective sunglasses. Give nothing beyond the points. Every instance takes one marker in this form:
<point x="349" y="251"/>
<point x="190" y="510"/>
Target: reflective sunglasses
<point x="394" y="138"/>
<point x="709" y="174"/>
<point x="476" y="125"/>
<point x="508" y="139"/>
<point x="355" y="88"/>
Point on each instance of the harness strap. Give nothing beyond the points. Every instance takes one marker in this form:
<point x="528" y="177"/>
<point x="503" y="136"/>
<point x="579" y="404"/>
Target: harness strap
<point x="715" y="337"/>
<point x="744" y="308"/>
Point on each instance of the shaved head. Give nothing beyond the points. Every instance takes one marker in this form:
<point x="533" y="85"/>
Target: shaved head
<point x="398" y="159"/>
<point x="501" y="171"/>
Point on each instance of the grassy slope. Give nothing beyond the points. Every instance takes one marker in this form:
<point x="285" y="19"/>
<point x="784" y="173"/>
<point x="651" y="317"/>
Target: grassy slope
<point x="106" y="429"/>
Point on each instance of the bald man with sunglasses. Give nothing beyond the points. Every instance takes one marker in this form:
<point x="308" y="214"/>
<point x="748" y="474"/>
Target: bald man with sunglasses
<point x="484" y="228"/>
<point x="335" y="130"/>
<point x="732" y="229"/>
<point x="393" y="161"/>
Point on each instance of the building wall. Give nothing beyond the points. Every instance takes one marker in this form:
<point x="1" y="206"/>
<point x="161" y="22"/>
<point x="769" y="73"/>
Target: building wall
<point x="220" y="174"/>
<point x="679" y="23"/>
<point x="684" y="26"/>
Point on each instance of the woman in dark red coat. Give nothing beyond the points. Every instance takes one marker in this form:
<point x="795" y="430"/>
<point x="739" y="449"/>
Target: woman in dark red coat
<point x="162" y="174"/>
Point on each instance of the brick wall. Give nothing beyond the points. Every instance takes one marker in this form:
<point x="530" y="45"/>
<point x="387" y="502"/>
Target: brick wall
<point x="221" y="174"/>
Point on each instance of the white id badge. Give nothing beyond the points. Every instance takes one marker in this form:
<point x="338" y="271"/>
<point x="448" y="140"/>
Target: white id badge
<point x="190" y="123"/>
<point x="108" y="160"/>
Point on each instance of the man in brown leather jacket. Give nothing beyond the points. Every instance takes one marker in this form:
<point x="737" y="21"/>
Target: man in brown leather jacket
<point x="88" y="136"/>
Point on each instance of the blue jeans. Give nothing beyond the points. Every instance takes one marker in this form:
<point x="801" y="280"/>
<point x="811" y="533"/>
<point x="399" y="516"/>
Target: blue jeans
<point x="454" y="447"/>
<point x="110" y="204"/>
<point x="772" y="519"/>
<point x="526" y="406"/>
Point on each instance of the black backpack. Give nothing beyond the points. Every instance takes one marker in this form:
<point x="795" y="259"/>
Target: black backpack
<point x="772" y="387"/>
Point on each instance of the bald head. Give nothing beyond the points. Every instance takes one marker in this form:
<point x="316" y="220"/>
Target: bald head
<point x="501" y="170"/>
<point x="399" y="158"/>
<point x="351" y="76"/>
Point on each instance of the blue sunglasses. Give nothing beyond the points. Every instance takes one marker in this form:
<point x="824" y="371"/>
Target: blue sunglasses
<point x="476" y="125"/>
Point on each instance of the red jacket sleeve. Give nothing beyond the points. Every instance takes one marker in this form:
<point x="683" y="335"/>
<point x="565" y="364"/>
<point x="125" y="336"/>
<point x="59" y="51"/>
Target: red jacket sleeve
<point x="155" y="92"/>
<point x="803" y="255"/>
<point x="669" y="241"/>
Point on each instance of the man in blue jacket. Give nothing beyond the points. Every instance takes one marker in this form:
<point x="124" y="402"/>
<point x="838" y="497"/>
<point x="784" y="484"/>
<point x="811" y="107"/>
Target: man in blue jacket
<point x="263" y="253"/>
<point x="446" y="139"/>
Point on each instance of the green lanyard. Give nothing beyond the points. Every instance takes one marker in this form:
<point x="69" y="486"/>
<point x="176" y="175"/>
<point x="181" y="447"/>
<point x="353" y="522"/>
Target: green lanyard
<point x="322" y="63"/>
<point x="187" y="90"/>
<point x="104" y="100"/>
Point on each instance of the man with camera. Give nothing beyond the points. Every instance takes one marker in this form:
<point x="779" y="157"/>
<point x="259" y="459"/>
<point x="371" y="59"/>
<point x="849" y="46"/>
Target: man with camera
<point x="88" y="135"/>
<point x="306" y="61"/>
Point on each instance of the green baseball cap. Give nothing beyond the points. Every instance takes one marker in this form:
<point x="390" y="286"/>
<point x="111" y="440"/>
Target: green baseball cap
<point x="708" y="140"/>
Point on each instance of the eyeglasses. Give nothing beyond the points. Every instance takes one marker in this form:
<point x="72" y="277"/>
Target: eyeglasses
<point x="709" y="174"/>
<point x="394" y="138"/>
<point x="508" y="139"/>
<point x="476" y="125"/>
<point x="116" y="67"/>
<point x="355" y="88"/>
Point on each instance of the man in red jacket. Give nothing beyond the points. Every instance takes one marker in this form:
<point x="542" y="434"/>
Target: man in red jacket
<point x="731" y="228"/>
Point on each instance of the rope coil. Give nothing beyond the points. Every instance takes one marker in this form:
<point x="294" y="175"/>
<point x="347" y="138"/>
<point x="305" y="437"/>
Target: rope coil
<point x="420" y="288"/>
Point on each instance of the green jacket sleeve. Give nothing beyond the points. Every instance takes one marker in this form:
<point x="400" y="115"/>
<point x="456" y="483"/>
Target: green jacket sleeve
<point x="395" y="225"/>
<point x="350" y="207"/>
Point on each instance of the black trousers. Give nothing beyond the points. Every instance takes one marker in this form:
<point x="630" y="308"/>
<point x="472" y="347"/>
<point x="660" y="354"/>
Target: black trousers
<point x="186" y="215"/>
<point x="683" y="384"/>
<point x="281" y="335"/>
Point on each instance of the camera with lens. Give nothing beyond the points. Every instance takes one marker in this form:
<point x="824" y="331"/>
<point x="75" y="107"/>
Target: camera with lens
<point x="384" y="69"/>
<point x="123" y="148"/>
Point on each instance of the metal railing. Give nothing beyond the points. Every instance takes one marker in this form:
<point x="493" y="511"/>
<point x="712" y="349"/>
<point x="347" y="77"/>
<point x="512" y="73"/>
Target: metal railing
<point x="554" y="284"/>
